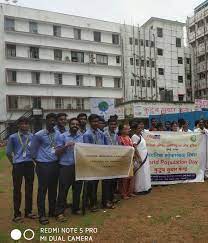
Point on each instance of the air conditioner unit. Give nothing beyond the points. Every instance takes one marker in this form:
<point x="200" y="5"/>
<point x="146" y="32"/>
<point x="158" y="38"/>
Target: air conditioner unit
<point x="67" y="59"/>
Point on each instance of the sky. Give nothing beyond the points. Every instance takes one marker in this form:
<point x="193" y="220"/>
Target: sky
<point x="128" y="11"/>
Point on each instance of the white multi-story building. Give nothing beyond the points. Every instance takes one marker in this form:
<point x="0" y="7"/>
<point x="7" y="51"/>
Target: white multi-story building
<point x="155" y="61"/>
<point x="56" y="61"/>
<point x="197" y="29"/>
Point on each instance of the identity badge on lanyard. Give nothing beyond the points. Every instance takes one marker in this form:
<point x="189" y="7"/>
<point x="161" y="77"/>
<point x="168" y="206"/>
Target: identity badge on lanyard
<point x="24" y="145"/>
<point x="52" y="142"/>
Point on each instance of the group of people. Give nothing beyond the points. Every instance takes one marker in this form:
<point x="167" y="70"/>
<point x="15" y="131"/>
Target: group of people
<point x="50" y="153"/>
<point x="179" y="126"/>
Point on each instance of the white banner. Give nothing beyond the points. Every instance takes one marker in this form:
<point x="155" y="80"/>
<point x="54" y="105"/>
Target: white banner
<point x="102" y="107"/>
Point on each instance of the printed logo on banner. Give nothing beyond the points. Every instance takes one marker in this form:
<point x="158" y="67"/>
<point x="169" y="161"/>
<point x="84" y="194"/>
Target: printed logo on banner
<point x="193" y="138"/>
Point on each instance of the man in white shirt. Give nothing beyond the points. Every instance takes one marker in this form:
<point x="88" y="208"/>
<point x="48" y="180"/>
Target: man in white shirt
<point x="185" y="127"/>
<point x="201" y="127"/>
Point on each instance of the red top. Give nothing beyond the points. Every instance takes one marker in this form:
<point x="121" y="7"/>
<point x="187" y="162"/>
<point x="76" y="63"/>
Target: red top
<point x="125" y="140"/>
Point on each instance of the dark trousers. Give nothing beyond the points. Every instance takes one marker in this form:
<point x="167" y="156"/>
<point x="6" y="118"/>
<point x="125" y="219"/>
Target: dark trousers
<point x="47" y="182"/>
<point x="92" y="192"/>
<point x="20" y="170"/>
<point x="66" y="180"/>
<point x="107" y="191"/>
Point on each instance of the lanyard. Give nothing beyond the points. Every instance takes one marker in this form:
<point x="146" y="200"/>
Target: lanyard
<point x="24" y="145"/>
<point x="111" y="138"/>
<point x="95" y="138"/>
<point x="51" y="137"/>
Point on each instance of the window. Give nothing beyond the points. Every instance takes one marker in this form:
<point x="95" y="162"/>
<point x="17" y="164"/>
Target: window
<point x="132" y="82"/>
<point x="152" y="44"/>
<point x="58" y="78"/>
<point x="131" y="61"/>
<point x="180" y="97"/>
<point x="137" y="62"/>
<point x="36" y="102"/>
<point x="9" y="24"/>
<point x="80" y="104"/>
<point x="180" y="79"/>
<point x="143" y="83"/>
<point x="147" y="43"/>
<point x="57" y="31"/>
<point x="142" y="63"/>
<point x="138" y="82"/>
<point x="12" y="102"/>
<point x="33" y="27"/>
<point x="159" y="32"/>
<point x="117" y="83"/>
<point x="189" y="76"/>
<point x="192" y="28"/>
<point x="148" y="63"/>
<point x="153" y="64"/>
<point x="77" y="56"/>
<point x="77" y="34"/>
<point x="34" y="52"/>
<point x="58" y="55"/>
<point x="79" y="80"/>
<point x="148" y="83"/>
<point x="159" y="52"/>
<point x="178" y="42"/>
<point x="153" y="83"/>
<point x="59" y="103"/>
<point x="130" y="40"/>
<point x="97" y="36"/>
<point x="141" y="42"/>
<point x="102" y="59"/>
<point x="161" y="71"/>
<point x="118" y="59"/>
<point x="11" y="76"/>
<point x="10" y="50"/>
<point x="136" y="42"/>
<point x="35" y="77"/>
<point x="180" y="60"/>
<point x="99" y="81"/>
<point x="188" y="60"/>
<point x="115" y="39"/>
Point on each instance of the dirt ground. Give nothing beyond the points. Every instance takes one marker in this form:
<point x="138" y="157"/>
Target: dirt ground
<point x="177" y="213"/>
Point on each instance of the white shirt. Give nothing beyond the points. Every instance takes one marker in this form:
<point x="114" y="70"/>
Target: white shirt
<point x="181" y="130"/>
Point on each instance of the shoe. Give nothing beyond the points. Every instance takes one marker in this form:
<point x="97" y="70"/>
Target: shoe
<point x="77" y="212"/>
<point x="18" y="219"/>
<point x="109" y="205"/>
<point x="61" y="218"/>
<point x="43" y="220"/>
<point x="94" y="209"/>
<point x="31" y="216"/>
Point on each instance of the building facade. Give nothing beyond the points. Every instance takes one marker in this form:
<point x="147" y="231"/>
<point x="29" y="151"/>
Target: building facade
<point x="56" y="61"/>
<point x="197" y="32"/>
<point x="155" y="61"/>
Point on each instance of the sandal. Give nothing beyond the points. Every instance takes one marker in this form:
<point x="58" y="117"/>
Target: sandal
<point x="18" y="219"/>
<point x="31" y="216"/>
<point x="61" y="218"/>
<point x="43" y="220"/>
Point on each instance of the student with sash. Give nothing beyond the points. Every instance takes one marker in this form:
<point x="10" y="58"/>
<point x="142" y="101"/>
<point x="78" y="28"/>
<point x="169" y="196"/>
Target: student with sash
<point x="43" y="152"/>
<point x="61" y="119"/>
<point x="65" y="151"/>
<point x="141" y="167"/>
<point x="18" y="153"/>
<point x="93" y="136"/>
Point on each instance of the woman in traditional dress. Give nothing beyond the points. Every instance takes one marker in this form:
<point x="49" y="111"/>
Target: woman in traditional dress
<point x="125" y="185"/>
<point x="142" y="166"/>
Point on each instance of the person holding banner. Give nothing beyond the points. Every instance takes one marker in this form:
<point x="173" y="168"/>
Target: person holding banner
<point x="82" y="117"/>
<point x="18" y="153"/>
<point x="94" y="136"/>
<point x="142" y="166"/>
<point x="43" y="152"/>
<point x="65" y="151"/>
<point x="126" y="185"/>
<point x="201" y="128"/>
<point x="185" y="126"/>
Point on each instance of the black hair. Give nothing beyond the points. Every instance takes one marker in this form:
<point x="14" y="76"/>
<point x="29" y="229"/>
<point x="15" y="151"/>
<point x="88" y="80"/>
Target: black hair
<point x="50" y="115"/>
<point x="23" y="119"/>
<point x="73" y="119"/>
<point x="93" y="117"/>
<point x="81" y="115"/>
<point x="111" y="119"/>
<point x="153" y="118"/>
<point x="181" y="122"/>
<point x="101" y="119"/>
<point x="60" y="115"/>
<point x="121" y="127"/>
<point x="114" y="117"/>
<point x="174" y="122"/>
